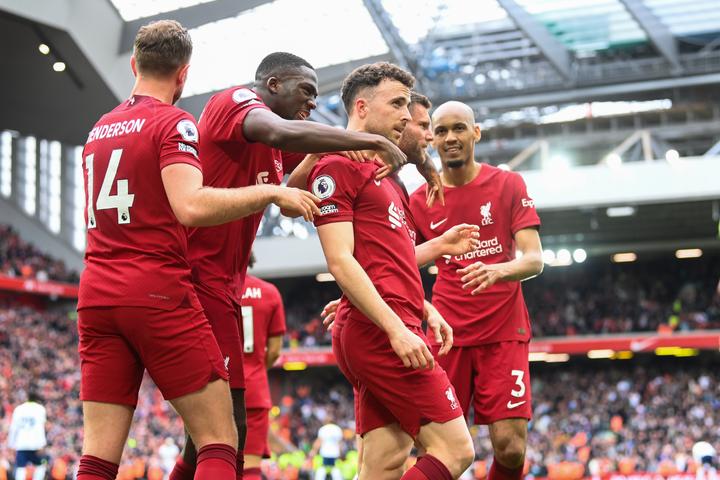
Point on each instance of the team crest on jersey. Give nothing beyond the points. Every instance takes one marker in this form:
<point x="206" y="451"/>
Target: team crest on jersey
<point x="487" y="216"/>
<point x="451" y="398"/>
<point x="242" y="95"/>
<point x="323" y="186"/>
<point x="188" y="130"/>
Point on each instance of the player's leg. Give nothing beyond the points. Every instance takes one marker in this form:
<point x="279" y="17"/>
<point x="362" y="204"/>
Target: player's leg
<point x="503" y="401"/>
<point x="448" y="450"/>
<point x="40" y="468"/>
<point x="509" y="441"/>
<point x="240" y="416"/>
<point x="384" y="452"/>
<point x="256" y="442"/>
<point x="207" y="415"/>
<point x="184" y="468"/>
<point x="181" y="355"/>
<point x="111" y="373"/>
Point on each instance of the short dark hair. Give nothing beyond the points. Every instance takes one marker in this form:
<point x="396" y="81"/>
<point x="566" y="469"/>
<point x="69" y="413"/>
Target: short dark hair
<point x="162" y="47"/>
<point x="371" y="75"/>
<point x="33" y="396"/>
<point x="419" y="99"/>
<point x="278" y="62"/>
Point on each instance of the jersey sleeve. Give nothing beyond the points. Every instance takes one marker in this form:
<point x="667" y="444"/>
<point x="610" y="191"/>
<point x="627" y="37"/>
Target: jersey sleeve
<point x="523" y="210"/>
<point x="179" y="142"/>
<point x="276" y="326"/>
<point x="231" y="109"/>
<point x="336" y="182"/>
<point x="417" y="212"/>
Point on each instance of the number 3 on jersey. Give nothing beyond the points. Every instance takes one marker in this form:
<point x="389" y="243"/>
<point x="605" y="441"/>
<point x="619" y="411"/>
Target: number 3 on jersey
<point x="122" y="201"/>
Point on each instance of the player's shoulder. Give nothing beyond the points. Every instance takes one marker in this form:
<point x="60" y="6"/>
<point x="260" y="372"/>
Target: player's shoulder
<point x="419" y="194"/>
<point x="233" y="96"/>
<point x="338" y="162"/>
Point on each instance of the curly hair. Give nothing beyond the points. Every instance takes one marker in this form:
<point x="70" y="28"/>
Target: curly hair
<point x="162" y="47"/>
<point x="370" y="76"/>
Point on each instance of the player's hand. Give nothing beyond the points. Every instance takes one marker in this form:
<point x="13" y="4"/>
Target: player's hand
<point x="392" y="157"/>
<point x="435" y="189"/>
<point x="461" y="239"/>
<point x="328" y="314"/>
<point x="294" y="202"/>
<point x="440" y="328"/>
<point x="480" y="276"/>
<point x="411" y="349"/>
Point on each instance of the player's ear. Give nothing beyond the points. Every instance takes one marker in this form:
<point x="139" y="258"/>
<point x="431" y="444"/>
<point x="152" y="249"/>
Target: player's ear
<point x="183" y="73"/>
<point x="273" y="85"/>
<point x="361" y="107"/>
<point x="477" y="133"/>
<point x="133" y="66"/>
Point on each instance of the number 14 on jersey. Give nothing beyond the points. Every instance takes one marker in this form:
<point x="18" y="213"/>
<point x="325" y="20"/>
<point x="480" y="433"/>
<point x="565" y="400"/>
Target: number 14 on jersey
<point x="122" y="201"/>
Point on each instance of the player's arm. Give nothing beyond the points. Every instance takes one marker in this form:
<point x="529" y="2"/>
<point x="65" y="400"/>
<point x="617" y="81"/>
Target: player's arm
<point x="427" y="169"/>
<point x="480" y="276"/>
<point x="274" y="345"/>
<point x="338" y="243"/>
<point x="458" y="240"/>
<point x="196" y="205"/>
<point x="266" y="127"/>
<point x="314" y="450"/>
<point x="441" y="329"/>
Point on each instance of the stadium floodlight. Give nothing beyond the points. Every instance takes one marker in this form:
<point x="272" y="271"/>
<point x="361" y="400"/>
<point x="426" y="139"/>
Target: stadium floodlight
<point x="325" y="277"/>
<point x="625" y="211"/>
<point x="614" y="160"/>
<point x="602" y="353"/>
<point x="557" y="357"/>
<point x="564" y="257"/>
<point x="625" y="257"/>
<point x="44" y="49"/>
<point x="672" y="156"/>
<point x="59" y="66"/>
<point x="579" y="255"/>
<point x="688" y="253"/>
<point x="559" y="163"/>
<point x="548" y="256"/>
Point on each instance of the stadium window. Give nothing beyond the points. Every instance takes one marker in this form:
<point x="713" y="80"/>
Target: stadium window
<point x="78" y="203"/>
<point x="29" y="161"/>
<point x="54" y="186"/>
<point x="6" y="164"/>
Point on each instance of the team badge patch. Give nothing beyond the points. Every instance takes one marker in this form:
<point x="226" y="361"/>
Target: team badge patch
<point x="323" y="186"/>
<point x="188" y="130"/>
<point x="242" y="95"/>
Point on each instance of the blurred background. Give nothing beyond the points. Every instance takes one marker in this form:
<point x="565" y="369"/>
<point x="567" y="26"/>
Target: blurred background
<point x="609" y="109"/>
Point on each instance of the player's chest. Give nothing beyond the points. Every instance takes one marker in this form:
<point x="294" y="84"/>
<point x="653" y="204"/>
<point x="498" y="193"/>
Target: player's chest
<point x="380" y="204"/>
<point x="260" y="165"/>
<point x="489" y="209"/>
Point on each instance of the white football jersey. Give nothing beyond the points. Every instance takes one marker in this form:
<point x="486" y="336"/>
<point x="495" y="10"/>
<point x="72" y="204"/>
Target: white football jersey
<point x="27" y="427"/>
<point x="330" y="436"/>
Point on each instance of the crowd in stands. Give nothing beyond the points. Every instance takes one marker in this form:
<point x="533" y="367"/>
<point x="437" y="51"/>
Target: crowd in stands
<point x="652" y="412"/>
<point x="597" y="297"/>
<point x="22" y="259"/>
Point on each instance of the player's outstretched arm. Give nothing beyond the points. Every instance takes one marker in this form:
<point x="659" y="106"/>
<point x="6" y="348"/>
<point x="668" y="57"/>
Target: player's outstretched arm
<point x="197" y="206"/>
<point x="480" y="276"/>
<point x="266" y="127"/>
<point x="338" y="244"/>
<point x="274" y="345"/>
<point x="458" y="240"/>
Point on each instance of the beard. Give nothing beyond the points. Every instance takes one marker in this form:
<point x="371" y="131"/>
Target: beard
<point x="457" y="163"/>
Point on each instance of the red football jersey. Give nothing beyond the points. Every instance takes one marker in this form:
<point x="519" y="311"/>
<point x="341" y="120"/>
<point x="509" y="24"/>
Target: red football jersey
<point x="136" y="249"/>
<point x="384" y="245"/>
<point x="219" y="255"/>
<point x="498" y="202"/>
<point x="263" y="316"/>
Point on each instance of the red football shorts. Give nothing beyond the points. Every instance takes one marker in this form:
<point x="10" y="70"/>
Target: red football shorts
<point x="256" y="441"/>
<point x="340" y="359"/>
<point x="389" y="392"/>
<point x="225" y="319"/>
<point x="496" y="377"/>
<point x="118" y="343"/>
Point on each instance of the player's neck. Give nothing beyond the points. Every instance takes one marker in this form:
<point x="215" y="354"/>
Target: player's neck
<point x="457" y="177"/>
<point x="162" y="90"/>
<point x="356" y="126"/>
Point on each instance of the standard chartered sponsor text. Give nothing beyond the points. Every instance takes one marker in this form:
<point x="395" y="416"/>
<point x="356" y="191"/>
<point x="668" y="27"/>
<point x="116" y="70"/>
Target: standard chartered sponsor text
<point x="487" y="247"/>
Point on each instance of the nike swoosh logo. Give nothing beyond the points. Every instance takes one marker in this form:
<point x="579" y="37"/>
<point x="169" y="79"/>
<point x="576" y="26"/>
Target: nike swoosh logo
<point x="377" y="182"/>
<point x="512" y="405"/>
<point x="434" y="225"/>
